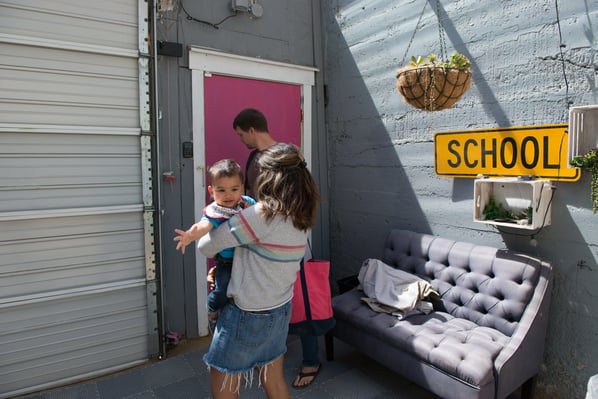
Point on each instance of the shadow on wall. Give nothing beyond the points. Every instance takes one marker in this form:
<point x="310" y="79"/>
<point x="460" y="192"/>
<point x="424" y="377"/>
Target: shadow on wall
<point x="370" y="190"/>
<point x="463" y="188"/>
<point x="374" y="187"/>
<point x="568" y="356"/>
<point x="574" y="274"/>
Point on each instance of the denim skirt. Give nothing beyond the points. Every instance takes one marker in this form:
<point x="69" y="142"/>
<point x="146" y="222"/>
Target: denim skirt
<point x="243" y="340"/>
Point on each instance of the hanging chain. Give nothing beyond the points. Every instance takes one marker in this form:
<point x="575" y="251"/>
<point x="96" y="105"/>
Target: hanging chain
<point x="419" y="20"/>
<point x="441" y="33"/>
<point x="443" y="55"/>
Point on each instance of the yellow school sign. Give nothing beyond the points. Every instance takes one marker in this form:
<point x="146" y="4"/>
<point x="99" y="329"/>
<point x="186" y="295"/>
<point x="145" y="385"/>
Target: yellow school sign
<point x="539" y="151"/>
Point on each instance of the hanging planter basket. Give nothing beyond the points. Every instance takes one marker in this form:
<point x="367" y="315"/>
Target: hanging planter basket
<point x="433" y="83"/>
<point x="432" y="88"/>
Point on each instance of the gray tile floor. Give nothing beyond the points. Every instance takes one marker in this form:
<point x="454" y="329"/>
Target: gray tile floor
<point x="350" y="376"/>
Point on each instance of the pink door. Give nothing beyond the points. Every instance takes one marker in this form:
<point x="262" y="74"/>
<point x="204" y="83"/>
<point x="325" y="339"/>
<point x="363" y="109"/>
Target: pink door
<point x="225" y="96"/>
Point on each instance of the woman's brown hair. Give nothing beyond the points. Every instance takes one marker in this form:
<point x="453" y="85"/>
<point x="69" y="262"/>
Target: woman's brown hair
<point x="286" y="187"/>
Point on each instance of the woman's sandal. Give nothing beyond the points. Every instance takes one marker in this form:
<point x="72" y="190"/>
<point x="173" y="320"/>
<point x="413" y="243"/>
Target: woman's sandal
<point x="302" y="375"/>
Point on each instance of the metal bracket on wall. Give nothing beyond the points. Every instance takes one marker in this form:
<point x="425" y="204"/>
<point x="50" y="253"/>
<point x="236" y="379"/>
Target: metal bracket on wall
<point x="170" y="49"/>
<point x="144" y="95"/>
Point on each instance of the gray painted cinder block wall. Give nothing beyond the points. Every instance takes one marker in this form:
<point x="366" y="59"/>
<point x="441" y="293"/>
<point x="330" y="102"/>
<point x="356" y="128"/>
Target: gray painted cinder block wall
<point x="289" y="32"/>
<point x="381" y="150"/>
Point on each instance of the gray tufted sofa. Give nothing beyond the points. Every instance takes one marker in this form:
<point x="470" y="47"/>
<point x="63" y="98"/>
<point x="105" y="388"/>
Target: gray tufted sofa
<point x="485" y="337"/>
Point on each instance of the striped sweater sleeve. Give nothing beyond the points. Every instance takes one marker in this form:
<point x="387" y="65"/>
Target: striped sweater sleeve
<point x="249" y="235"/>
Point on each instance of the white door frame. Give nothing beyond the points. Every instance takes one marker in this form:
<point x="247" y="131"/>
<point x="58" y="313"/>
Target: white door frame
<point x="205" y="61"/>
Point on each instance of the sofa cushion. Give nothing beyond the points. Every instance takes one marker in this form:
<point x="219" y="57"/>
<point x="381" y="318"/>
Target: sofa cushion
<point x="454" y="345"/>
<point x="487" y="286"/>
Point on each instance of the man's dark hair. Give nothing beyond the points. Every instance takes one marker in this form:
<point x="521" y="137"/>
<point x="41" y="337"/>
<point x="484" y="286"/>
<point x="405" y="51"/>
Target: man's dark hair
<point x="251" y="118"/>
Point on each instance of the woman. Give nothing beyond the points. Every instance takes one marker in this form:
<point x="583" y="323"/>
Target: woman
<point x="270" y="239"/>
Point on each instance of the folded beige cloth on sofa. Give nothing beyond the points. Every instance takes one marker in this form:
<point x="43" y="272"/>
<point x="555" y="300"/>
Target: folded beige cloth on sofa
<point x="393" y="287"/>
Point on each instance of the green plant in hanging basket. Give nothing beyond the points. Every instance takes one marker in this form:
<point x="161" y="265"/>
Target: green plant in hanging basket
<point x="433" y="85"/>
<point x="590" y="161"/>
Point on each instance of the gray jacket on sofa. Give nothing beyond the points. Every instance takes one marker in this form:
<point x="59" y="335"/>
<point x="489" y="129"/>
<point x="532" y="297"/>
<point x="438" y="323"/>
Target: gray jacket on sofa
<point x="485" y="337"/>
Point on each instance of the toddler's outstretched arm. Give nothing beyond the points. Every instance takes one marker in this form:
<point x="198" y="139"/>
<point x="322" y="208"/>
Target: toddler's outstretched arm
<point x="194" y="232"/>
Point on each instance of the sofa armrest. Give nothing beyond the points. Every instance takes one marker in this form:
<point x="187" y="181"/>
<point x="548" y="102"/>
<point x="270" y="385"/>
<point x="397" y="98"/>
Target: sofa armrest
<point x="522" y="357"/>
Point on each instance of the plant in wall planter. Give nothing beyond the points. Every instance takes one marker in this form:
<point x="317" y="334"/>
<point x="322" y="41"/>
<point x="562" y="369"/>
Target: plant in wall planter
<point x="497" y="212"/>
<point x="431" y="84"/>
<point x="590" y="161"/>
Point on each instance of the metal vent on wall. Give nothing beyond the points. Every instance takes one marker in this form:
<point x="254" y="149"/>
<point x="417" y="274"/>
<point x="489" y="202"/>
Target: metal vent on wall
<point x="583" y="130"/>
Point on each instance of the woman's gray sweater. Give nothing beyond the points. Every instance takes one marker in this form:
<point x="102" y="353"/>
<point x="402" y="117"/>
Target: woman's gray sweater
<point x="266" y="261"/>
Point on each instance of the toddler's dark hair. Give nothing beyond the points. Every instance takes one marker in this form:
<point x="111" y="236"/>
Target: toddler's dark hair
<point x="224" y="168"/>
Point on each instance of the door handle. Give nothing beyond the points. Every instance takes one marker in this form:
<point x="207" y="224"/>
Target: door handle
<point x="203" y="175"/>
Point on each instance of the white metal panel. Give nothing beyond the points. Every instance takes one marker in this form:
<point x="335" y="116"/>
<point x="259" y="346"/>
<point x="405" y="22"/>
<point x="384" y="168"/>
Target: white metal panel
<point x="47" y="254"/>
<point x="61" y="87"/>
<point x="43" y="171"/>
<point x="77" y="288"/>
<point x="48" y="340"/>
<point x="104" y="23"/>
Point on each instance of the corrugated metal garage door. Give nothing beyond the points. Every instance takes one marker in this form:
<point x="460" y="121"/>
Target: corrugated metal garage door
<point x="77" y="278"/>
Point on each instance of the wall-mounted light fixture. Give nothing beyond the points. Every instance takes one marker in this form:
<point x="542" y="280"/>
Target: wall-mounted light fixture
<point x="250" y="6"/>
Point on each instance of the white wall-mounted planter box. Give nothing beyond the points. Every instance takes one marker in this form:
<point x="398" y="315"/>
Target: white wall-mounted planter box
<point x="516" y="195"/>
<point x="583" y="130"/>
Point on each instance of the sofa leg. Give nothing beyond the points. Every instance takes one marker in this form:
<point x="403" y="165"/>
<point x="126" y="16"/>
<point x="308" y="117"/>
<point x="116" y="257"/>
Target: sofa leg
<point x="527" y="389"/>
<point x="329" y="342"/>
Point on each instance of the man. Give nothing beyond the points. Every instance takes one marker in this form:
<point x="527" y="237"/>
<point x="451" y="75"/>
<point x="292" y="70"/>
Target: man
<point x="252" y="127"/>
